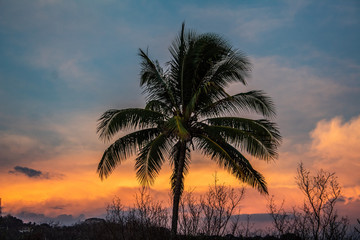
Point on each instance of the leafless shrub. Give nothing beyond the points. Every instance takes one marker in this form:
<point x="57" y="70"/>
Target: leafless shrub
<point x="281" y="219"/>
<point x="214" y="214"/>
<point x="301" y="224"/>
<point x="317" y="218"/>
<point x="218" y="205"/>
<point x="322" y="192"/>
<point x="190" y="214"/>
<point x="145" y="220"/>
<point x="149" y="212"/>
<point x="115" y="212"/>
<point x="246" y="229"/>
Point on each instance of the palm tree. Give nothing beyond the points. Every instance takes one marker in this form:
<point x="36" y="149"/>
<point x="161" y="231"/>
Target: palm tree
<point x="186" y="105"/>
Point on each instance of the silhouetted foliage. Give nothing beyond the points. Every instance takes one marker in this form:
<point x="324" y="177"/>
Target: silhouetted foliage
<point x="211" y="213"/>
<point x="187" y="108"/>
<point x="147" y="218"/>
<point x="317" y="218"/>
<point x="356" y="229"/>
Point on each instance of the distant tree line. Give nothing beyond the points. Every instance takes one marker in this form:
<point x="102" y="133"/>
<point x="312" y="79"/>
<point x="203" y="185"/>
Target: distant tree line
<point x="213" y="215"/>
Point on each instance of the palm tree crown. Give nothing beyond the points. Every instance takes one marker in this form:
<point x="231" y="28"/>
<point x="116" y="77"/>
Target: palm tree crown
<point x="186" y="108"/>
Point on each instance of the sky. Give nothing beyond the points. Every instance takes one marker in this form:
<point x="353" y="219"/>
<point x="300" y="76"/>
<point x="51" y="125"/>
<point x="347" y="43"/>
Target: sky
<point x="64" y="63"/>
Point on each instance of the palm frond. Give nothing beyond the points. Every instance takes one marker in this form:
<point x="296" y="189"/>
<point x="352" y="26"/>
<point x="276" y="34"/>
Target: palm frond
<point x="158" y="106"/>
<point x="150" y="159"/>
<point x="233" y="66"/>
<point x="261" y="127"/>
<point x="178" y="65"/>
<point x="177" y="51"/>
<point x="192" y="56"/>
<point x="208" y="93"/>
<point x="113" y="121"/>
<point x="123" y="148"/>
<point x="250" y="102"/>
<point x="154" y="81"/>
<point x="210" y="66"/>
<point x="258" y="145"/>
<point x="232" y="160"/>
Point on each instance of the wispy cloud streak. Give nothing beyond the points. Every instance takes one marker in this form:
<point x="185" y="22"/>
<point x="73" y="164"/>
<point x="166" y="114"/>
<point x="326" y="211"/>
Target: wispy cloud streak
<point x="33" y="173"/>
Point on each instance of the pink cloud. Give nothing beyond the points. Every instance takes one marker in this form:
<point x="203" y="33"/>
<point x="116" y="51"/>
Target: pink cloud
<point x="335" y="148"/>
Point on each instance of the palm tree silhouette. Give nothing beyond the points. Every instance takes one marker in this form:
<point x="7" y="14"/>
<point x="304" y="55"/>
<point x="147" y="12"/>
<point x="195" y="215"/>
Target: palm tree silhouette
<point x="186" y="105"/>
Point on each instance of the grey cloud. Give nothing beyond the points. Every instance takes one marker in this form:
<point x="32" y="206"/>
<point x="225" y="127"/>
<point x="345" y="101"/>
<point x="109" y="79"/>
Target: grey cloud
<point x="61" y="207"/>
<point x="63" y="219"/>
<point x="31" y="144"/>
<point x="33" y="173"/>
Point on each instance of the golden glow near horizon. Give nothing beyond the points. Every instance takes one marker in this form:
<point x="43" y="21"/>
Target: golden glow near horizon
<point x="80" y="190"/>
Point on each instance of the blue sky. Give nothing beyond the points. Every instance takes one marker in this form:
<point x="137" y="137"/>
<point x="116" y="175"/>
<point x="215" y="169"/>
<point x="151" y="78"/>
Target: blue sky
<point x="66" y="56"/>
<point x="63" y="63"/>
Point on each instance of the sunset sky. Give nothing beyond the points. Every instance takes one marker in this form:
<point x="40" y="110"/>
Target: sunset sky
<point x="63" y="63"/>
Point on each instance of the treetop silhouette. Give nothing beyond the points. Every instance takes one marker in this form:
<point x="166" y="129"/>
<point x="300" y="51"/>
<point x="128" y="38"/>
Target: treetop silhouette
<point x="187" y="108"/>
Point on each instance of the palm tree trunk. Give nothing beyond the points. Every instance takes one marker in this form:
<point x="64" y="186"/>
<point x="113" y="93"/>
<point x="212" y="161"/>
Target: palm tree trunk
<point x="177" y="190"/>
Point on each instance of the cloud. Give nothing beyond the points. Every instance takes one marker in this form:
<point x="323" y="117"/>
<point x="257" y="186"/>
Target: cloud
<point x="345" y="14"/>
<point x="69" y="66"/>
<point x="335" y="139"/>
<point x="32" y="173"/>
<point x="58" y="207"/>
<point x="248" y="22"/>
<point x="301" y="94"/>
<point x="48" y="138"/>
<point x="335" y="147"/>
<point x="51" y="208"/>
<point x="332" y="146"/>
<point x="18" y="147"/>
<point x="62" y="219"/>
<point x="349" y="207"/>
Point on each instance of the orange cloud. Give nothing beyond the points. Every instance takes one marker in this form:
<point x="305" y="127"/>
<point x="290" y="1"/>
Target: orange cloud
<point x="335" y="148"/>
